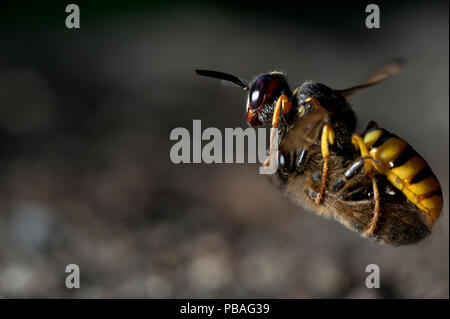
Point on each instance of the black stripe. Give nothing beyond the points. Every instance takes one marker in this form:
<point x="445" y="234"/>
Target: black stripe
<point x="405" y="156"/>
<point x="437" y="192"/>
<point x="383" y="138"/>
<point x="393" y="135"/>
<point x="424" y="173"/>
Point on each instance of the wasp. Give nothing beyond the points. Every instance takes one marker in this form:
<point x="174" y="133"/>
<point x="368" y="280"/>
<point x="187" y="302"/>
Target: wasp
<point x="373" y="183"/>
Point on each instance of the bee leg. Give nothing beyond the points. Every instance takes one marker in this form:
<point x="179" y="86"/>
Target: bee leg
<point x="369" y="164"/>
<point x="327" y="137"/>
<point x="283" y="105"/>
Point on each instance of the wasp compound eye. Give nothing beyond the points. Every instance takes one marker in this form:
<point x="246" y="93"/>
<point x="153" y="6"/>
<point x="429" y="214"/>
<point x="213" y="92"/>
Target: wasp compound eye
<point x="258" y="91"/>
<point x="266" y="89"/>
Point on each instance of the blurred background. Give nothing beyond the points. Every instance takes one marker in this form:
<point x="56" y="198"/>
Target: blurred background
<point x="86" y="178"/>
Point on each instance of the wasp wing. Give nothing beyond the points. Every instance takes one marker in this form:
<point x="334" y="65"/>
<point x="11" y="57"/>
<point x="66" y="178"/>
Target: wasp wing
<point x="305" y="132"/>
<point x="380" y="74"/>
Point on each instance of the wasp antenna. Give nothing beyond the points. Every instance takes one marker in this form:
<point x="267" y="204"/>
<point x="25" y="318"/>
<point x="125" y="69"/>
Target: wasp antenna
<point x="223" y="76"/>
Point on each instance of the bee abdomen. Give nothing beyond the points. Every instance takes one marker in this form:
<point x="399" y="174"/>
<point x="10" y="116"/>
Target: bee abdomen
<point x="406" y="170"/>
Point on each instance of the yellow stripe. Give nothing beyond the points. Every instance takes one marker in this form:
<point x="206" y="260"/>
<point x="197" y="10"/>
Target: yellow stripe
<point x="430" y="213"/>
<point x="431" y="206"/>
<point x="401" y="176"/>
<point x="395" y="180"/>
<point x="371" y="137"/>
<point x="411" y="168"/>
<point x="435" y="201"/>
<point x="427" y="185"/>
<point x="390" y="150"/>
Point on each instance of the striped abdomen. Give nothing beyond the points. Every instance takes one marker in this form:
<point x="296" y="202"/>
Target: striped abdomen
<point x="406" y="170"/>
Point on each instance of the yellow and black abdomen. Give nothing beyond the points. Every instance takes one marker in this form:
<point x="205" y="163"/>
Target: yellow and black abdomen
<point x="406" y="170"/>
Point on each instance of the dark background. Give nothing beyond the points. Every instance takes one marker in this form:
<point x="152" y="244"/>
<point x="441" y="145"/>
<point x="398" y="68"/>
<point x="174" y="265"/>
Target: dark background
<point x="86" y="178"/>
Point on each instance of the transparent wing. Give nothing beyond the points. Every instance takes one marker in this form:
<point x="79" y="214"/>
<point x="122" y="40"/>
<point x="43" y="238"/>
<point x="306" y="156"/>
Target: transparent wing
<point x="380" y="74"/>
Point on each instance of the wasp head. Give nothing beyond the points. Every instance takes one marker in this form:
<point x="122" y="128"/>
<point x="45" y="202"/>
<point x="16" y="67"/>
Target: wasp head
<point x="263" y="93"/>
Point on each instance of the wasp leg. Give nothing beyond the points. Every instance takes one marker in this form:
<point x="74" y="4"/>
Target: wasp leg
<point x="376" y="209"/>
<point x="293" y="162"/>
<point x="351" y="172"/>
<point x="283" y="105"/>
<point x="369" y="165"/>
<point x="327" y="137"/>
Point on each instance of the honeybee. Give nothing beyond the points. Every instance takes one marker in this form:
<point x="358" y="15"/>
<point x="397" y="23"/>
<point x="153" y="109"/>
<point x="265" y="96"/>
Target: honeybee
<point x="375" y="183"/>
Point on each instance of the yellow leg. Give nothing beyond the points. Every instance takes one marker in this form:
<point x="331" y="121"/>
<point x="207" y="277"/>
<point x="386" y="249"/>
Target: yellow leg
<point x="369" y="164"/>
<point x="359" y="144"/>
<point x="283" y="105"/>
<point x="327" y="137"/>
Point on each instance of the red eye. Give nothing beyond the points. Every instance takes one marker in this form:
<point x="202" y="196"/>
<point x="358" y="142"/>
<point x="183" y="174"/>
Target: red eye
<point x="266" y="89"/>
<point x="258" y="91"/>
